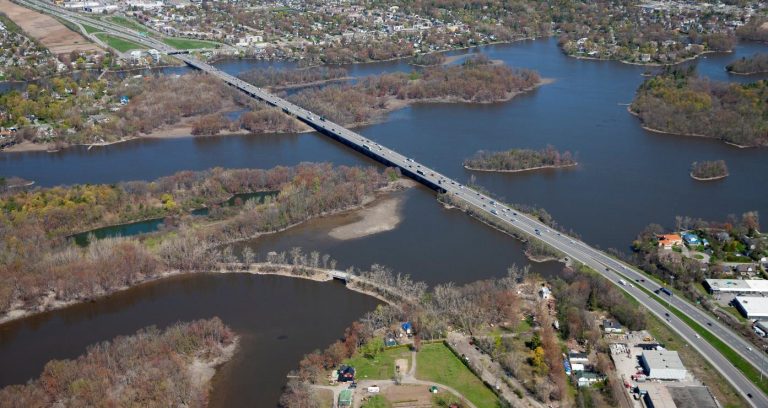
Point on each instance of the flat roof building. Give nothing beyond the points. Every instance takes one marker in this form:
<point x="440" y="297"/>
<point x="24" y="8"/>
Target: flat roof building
<point x="753" y="286"/>
<point x="752" y="307"/>
<point x="663" y="365"/>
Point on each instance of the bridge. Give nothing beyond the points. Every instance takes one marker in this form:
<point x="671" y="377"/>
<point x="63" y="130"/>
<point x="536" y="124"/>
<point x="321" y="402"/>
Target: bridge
<point x="611" y="268"/>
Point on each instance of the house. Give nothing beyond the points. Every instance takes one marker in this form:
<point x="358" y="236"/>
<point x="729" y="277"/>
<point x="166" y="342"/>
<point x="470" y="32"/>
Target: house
<point x="691" y="239"/>
<point x="723" y="236"/>
<point x="577" y="358"/>
<point x="746" y="269"/>
<point x="668" y="241"/>
<point x="346" y="373"/>
<point x="587" y="378"/>
<point x="544" y="292"/>
<point x="612" y="326"/>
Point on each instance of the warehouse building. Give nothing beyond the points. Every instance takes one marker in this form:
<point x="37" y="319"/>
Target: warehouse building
<point x="663" y="365"/>
<point x="752" y="307"/>
<point x="737" y="286"/>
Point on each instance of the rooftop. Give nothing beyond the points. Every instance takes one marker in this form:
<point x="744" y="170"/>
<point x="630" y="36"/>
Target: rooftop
<point x="737" y="285"/>
<point x="753" y="305"/>
<point x="663" y="359"/>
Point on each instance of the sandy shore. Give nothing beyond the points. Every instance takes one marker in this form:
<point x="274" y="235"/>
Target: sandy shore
<point x="522" y="170"/>
<point x="708" y="178"/>
<point x="383" y="216"/>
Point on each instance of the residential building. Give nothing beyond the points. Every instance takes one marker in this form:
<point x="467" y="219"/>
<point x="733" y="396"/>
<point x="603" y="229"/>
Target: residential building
<point x="663" y="365"/>
<point x="668" y="241"/>
<point x="612" y="326"/>
<point x="691" y="239"/>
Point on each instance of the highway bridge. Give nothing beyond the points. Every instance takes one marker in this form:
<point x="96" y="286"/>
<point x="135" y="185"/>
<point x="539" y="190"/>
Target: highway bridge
<point x="609" y="267"/>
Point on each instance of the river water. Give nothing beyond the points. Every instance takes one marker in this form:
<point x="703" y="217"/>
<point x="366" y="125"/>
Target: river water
<point x="627" y="178"/>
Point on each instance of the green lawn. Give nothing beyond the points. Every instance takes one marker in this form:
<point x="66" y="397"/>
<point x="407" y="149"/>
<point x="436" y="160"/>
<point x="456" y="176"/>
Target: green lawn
<point x="118" y="43"/>
<point x="435" y="362"/>
<point x="188" y="43"/>
<point x="377" y="401"/>
<point x="381" y="367"/>
<point x="90" y="29"/>
<point x="128" y="23"/>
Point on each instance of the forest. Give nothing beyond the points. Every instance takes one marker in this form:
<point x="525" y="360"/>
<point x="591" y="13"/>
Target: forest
<point x="282" y="78"/>
<point x="704" y="170"/>
<point x="520" y="159"/>
<point x="680" y="102"/>
<point x="371" y="97"/>
<point x="756" y="64"/>
<point x="149" y="368"/>
<point x="755" y="30"/>
<point x="39" y="265"/>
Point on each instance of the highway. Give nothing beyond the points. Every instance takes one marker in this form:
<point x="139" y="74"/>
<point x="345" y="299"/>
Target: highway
<point x="609" y="267"/>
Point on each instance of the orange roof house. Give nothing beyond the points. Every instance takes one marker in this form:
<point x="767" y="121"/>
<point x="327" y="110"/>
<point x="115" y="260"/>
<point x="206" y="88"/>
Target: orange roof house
<point x="670" y="240"/>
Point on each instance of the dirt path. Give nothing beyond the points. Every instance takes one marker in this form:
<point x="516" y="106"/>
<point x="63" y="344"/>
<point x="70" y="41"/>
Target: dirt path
<point x="51" y="33"/>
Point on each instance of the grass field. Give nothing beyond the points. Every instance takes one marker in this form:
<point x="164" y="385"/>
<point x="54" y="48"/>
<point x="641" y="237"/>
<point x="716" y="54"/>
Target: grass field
<point x="128" y="23"/>
<point x="381" y="367"/>
<point x="377" y="401"/>
<point x="435" y="362"/>
<point x="188" y="43"/>
<point x="90" y="29"/>
<point x="119" y="43"/>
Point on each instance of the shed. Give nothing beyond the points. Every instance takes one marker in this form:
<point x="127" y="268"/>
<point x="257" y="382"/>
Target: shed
<point x="345" y="398"/>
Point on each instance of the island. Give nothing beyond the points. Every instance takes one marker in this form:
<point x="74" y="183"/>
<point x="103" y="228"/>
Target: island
<point x="709" y="170"/>
<point x="476" y="80"/>
<point x="173" y="367"/>
<point x="677" y="101"/>
<point x="517" y="160"/>
<point x="756" y="64"/>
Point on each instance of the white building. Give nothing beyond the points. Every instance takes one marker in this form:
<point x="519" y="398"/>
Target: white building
<point x="663" y="365"/>
<point x="752" y="307"/>
<point x="745" y="286"/>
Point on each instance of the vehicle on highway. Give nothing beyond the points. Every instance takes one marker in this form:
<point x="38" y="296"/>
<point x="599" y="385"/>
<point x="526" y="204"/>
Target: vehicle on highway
<point x="665" y="291"/>
<point x="537" y="231"/>
<point x="367" y="147"/>
<point x="494" y="212"/>
<point x="623" y="282"/>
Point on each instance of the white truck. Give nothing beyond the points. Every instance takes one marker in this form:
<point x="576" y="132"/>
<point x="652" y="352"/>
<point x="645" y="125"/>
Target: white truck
<point x="623" y="282"/>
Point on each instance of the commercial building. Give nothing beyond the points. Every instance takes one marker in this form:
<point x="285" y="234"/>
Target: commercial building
<point x="735" y="286"/>
<point x="752" y="307"/>
<point x="663" y="365"/>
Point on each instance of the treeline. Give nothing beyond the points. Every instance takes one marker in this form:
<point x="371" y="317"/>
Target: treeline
<point x="149" y="368"/>
<point x="432" y="58"/>
<point x="282" y="78"/>
<point x="754" y="30"/>
<point x="680" y="102"/>
<point x="368" y="99"/>
<point x="519" y="159"/>
<point x="36" y="263"/>
<point x="709" y="169"/>
<point x="755" y="64"/>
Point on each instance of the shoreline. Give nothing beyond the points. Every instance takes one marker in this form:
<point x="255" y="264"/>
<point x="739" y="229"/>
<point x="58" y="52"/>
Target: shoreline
<point x="708" y="178"/>
<point x="664" y="132"/>
<point x="48" y="301"/>
<point x="642" y="64"/>
<point x="560" y="166"/>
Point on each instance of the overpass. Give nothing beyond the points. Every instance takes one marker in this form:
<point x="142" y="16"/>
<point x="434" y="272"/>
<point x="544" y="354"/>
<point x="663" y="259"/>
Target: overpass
<point x="609" y="267"/>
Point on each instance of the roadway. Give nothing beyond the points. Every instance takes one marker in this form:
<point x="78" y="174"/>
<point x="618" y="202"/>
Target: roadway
<point x="611" y="268"/>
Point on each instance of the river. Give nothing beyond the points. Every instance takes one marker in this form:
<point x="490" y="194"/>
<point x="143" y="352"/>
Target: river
<point x="627" y="178"/>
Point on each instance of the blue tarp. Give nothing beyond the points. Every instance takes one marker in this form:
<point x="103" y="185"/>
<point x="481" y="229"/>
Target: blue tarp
<point x="406" y="326"/>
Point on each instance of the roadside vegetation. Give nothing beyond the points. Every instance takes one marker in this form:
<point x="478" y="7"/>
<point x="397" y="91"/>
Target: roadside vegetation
<point x="709" y="170"/>
<point x="678" y="101"/>
<point x="520" y="160"/>
<point x="118" y="43"/>
<point x="476" y="81"/>
<point x="149" y="368"/>
<point x="755" y="64"/>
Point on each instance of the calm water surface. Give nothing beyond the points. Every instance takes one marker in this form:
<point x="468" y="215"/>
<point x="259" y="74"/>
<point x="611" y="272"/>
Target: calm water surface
<point x="627" y="179"/>
<point x="279" y="320"/>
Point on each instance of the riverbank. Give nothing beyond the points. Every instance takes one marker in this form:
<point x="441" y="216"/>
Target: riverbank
<point x="382" y="217"/>
<point x="522" y="170"/>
